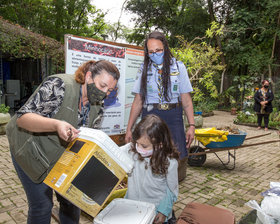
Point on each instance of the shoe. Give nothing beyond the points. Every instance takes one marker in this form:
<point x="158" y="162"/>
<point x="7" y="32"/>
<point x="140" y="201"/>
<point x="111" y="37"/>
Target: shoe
<point x="259" y="128"/>
<point x="266" y="129"/>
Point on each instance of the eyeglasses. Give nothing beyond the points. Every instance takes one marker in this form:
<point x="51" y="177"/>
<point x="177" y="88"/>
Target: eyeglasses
<point x="157" y="52"/>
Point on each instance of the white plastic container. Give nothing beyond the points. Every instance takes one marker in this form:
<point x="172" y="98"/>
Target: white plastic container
<point x="108" y="145"/>
<point x="125" y="211"/>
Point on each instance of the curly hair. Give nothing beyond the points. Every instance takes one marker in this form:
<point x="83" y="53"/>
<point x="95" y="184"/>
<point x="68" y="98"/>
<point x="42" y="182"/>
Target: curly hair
<point x="159" y="135"/>
<point x="167" y="61"/>
<point x="96" y="67"/>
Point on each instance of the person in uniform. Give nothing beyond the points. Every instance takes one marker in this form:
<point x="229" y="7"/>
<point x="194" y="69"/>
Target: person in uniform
<point x="162" y="87"/>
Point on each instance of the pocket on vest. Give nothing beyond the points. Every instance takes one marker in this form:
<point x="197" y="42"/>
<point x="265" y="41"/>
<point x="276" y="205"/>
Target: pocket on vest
<point x="32" y="160"/>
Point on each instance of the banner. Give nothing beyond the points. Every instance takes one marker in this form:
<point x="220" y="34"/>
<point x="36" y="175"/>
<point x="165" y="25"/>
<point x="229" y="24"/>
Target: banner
<point x="127" y="59"/>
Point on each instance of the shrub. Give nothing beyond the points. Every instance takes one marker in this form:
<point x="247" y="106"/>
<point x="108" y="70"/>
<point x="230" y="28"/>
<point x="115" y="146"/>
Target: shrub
<point x="4" y="109"/>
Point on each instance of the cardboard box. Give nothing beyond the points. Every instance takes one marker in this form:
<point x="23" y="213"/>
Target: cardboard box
<point x="89" y="170"/>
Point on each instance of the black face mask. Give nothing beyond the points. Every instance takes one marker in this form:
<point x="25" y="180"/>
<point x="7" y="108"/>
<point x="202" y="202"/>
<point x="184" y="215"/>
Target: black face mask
<point x="265" y="86"/>
<point x="94" y="94"/>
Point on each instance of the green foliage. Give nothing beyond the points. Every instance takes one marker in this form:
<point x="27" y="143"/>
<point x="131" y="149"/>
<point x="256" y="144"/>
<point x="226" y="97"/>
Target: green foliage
<point x="244" y="118"/>
<point x="276" y="101"/>
<point x="22" y="43"/>
<point x="249" y="37"/>
<point x="203" y="65"/>
<point x="205" y="106"/>
<point x="55" y="18"/>
<point x="117" y="31"/>
<point x="4" y="109"/>
<point x="187" y="18"/>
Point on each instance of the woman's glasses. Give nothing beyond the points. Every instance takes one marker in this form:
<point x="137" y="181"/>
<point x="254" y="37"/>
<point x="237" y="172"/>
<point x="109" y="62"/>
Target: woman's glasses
<point x="157" y="52"/>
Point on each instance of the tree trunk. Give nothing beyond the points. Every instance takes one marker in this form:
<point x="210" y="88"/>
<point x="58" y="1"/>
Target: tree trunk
<point x="275" y="54"/>
<point x="224" y="79"/>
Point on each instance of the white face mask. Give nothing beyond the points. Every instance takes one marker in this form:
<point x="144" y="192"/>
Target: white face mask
<point x="144" y="153"/>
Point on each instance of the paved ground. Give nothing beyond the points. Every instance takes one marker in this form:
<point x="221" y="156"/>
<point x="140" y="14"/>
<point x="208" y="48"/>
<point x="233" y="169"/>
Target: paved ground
<point x="256" y="167"/>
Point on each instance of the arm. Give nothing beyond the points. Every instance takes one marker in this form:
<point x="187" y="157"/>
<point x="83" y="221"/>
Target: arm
<point x="270" y="97"/>
<point x="134" y="113"/>
<point x="36" y="123"/>
<point x="257" y="97"/>
<point x="36" y="115"/>
<point x="165" y="206"/>
<point x="188" y="109"/>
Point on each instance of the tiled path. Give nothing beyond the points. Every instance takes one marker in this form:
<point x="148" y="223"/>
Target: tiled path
<point x="212" y="184"/>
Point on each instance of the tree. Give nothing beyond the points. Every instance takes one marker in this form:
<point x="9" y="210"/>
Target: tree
<point x="187" y="18"/>
<point x="54" y="18"/>
<point x="203" y="63"/>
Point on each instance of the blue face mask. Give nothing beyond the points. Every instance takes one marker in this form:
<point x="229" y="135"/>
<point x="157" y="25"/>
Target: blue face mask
<point x="157" y="57"/>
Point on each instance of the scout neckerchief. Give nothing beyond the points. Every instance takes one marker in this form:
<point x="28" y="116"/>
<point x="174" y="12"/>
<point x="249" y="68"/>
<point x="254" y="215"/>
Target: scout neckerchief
<point x="159" y="82"/>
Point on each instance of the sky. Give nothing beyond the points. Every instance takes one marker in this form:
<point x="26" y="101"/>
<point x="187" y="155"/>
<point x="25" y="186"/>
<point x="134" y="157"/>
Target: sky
<point x="114" y="10"/>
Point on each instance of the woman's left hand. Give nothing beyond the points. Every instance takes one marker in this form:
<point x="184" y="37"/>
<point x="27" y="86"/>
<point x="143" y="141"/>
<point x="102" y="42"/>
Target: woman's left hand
<point x="190" y="136"/>
<point x="159" y="219"/>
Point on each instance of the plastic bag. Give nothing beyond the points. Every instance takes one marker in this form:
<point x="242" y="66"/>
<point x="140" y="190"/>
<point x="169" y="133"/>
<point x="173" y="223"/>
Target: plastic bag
<point x="207" y="135"/>
<point x="269" y="211"/>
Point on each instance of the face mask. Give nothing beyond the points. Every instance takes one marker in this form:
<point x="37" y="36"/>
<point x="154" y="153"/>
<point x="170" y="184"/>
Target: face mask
<point x="157" y="57"/>
<point x="144" y="153"/>
<point x="266" y="86"/>
<point x="94" y="94"/>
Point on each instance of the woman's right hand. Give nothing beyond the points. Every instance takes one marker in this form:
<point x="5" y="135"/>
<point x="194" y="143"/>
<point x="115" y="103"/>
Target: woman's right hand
<point x="128" y="136"/>
<point x="66" y="131"/>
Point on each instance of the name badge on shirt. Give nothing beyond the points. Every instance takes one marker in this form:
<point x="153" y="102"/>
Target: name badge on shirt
<point x="175" y="87"/>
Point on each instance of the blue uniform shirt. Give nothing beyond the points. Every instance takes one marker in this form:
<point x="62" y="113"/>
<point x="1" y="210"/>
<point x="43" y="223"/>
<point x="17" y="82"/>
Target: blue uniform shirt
<point x="180" y="82"/>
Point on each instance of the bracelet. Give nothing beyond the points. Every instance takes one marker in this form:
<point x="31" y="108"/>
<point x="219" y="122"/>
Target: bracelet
<point x="192" y="125"/>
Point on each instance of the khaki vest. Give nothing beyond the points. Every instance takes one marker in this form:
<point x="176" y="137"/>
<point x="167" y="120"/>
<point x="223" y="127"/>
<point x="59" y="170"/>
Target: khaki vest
<point x="36" y="153"/>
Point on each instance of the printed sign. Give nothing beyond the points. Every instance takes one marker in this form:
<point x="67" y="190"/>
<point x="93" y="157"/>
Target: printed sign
<point x="127" y="58"/>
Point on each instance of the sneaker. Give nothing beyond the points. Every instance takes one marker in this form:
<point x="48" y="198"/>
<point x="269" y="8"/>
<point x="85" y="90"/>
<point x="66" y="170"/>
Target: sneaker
<point x="266" y="129"/>
<point x="259" y="128"/>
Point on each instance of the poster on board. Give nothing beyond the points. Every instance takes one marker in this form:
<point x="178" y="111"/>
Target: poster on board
<point x="127" y="58"/>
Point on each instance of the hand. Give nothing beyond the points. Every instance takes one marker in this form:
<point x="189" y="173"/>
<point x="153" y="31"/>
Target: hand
<point x="66" y="131"/>
<point x="159" y="219"/>
<point x="128" y="136"/>
<point x="190" y="136"/>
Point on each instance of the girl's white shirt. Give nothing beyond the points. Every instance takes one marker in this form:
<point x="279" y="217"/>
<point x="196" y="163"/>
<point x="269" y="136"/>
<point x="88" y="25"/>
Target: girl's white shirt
<point x="145" y="186"/>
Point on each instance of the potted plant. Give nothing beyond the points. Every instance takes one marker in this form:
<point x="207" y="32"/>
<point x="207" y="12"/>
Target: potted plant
<point x="4" y="118"/>
<point x="233" y="110"/>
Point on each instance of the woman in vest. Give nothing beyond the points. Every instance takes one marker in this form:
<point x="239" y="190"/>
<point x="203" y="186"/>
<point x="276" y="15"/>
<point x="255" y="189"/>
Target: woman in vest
<point x="162" y="87"/>
<point x="48" y="121"/>
<point x="263" y="106"/>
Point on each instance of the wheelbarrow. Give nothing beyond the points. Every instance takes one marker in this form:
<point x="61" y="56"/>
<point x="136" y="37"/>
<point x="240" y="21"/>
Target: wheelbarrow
<point x="197" y="153"/>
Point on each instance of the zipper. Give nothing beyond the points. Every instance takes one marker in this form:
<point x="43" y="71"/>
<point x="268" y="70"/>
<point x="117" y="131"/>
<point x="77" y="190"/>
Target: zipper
<point x="42" y="156"/>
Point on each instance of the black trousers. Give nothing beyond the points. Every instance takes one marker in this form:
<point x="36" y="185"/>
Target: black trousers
<point x="265" y="118"/>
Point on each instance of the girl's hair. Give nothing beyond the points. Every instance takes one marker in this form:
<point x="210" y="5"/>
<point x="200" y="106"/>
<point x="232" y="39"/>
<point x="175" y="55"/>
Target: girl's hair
<point x="96" y="67"/>
<point x="167" y="61"/>
<point x="159" y="135"/>
<point x="265" y="81"/>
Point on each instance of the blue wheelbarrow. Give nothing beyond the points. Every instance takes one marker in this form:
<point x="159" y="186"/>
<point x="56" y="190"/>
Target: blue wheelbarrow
<point x="197" y="154"/>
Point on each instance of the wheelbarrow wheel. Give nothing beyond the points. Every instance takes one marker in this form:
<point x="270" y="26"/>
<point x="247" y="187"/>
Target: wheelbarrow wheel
<point x="196" y="160"/>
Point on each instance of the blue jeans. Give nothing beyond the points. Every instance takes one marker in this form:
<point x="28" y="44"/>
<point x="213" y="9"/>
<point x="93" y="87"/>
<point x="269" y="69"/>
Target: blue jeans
<point x="40" y="202"/>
